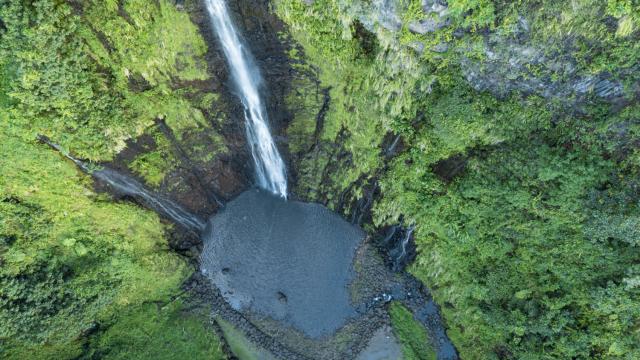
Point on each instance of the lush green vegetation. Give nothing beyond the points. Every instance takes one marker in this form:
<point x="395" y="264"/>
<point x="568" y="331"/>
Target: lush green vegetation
<point x="71" y="258"/>
<point x="158" y="331"/>
<point x="81" y="275"/>
<point x="240" y="345"/>
<point x="78" y="79"/>
<point x="411" y="334"/>
<point x="527" y="209"/>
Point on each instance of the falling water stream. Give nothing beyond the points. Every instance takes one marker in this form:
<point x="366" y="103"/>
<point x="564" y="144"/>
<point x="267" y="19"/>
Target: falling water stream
<point x="269" y="167"/>
<point x="292" y="262"/>
<point x="126" y="185"/>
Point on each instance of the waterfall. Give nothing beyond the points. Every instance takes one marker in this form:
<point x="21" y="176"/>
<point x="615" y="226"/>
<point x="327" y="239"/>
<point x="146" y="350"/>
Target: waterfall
<point x="269" y="167"/>
<point x="405" y="242"/>
<point x="397" y="243"/>
<point x="128" y="186"/>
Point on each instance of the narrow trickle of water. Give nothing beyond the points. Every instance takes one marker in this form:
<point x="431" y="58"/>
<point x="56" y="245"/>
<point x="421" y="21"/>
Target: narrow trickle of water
<point x="269" y="167"/>
<point x="405" y="242"/>
<point x="128" y="186"/>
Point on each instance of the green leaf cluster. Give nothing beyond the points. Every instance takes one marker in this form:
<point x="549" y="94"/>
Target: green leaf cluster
<point x="158" y="331"/>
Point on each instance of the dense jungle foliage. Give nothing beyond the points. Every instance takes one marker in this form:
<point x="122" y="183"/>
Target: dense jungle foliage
<point x="526" y="205"/>
<point x="81" y="275"/>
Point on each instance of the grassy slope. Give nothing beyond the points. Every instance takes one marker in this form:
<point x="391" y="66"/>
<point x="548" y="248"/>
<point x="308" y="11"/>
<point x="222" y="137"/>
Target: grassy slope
<point x="159" y="332"/>
<point x="411" y="334"/>
<point x="532" y="248"/>
<point x="240" y="345"/>
<point x="73" y="261"/>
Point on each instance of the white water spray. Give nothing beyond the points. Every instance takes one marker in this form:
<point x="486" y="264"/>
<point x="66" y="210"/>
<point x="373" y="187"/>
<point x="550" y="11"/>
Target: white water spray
<point x="270" y="169"/>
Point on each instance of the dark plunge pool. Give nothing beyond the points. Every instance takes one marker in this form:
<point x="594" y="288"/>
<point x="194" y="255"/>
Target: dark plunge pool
<point x="288" y="260"/>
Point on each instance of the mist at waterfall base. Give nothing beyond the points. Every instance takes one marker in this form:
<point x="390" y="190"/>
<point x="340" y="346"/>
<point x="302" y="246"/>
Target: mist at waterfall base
<point x="269" y="167"/>
<point x="288" y="260"/>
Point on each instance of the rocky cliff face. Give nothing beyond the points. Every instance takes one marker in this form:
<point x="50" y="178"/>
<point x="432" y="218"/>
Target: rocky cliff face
<point x="514" y="58"/>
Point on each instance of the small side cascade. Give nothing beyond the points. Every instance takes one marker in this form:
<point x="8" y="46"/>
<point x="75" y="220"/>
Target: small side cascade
<point x="128" y="186"/>
<point x="399" y="244"/>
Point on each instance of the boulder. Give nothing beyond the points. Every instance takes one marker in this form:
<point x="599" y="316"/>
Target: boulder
<point x="427" y="25"/>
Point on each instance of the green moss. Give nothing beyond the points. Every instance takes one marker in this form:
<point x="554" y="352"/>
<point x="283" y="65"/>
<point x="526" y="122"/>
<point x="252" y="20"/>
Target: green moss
<point x="152" y="166"/>
<point x="411" y="334"/>
<point x="158" y="331"/>
<point x="354" y="103"/>
<point x="305" y="100"/>
<point x="240" y="345"/>
<point x="207" y="100"/>
<point x="178" y="112"/>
